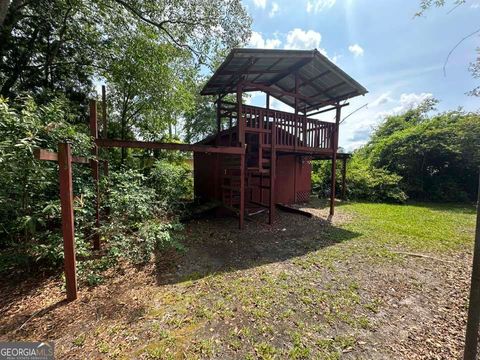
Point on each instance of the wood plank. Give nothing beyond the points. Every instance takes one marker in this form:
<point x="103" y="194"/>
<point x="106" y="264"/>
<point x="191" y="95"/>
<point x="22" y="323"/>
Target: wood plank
<point x="110" y="143"/>
<point x="43" y="154"/>
<point x="68" y="227"/>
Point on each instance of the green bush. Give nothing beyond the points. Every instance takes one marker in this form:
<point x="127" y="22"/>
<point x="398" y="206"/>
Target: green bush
<point x="29" y="206"/>
<point x="172" y="181"/>
<point x="139" y="223"/>
<point x="367" y="182"/>
<point x="364" y="181"/>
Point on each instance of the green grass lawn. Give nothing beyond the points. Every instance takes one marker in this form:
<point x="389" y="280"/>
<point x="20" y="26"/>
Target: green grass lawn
<point x="419" y="226"/>
<point x="308" y="290"/>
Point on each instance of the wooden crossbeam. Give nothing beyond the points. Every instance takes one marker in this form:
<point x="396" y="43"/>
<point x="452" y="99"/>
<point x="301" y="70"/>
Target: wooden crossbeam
<point x="43" y="154"/>
<point x="109" y="143"/>
<point x="292" y="69"/>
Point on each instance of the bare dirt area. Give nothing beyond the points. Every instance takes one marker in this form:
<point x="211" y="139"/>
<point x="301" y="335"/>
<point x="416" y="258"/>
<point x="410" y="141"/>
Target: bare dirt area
<point x="301" y="289"/>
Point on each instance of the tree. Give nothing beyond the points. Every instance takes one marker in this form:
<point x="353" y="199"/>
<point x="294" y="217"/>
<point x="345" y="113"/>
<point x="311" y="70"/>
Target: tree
<point x="150" y="85"/>
<point x="436" y="156"/>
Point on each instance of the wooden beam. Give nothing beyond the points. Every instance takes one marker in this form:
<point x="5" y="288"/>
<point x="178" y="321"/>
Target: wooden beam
<point x="311" y="80"/>
<point x="104" y="113"/>
<point x="112" y="143"/>
<point x="95" y="172"/>
<point x="267" y="88"/>
<point x="334" y="162"/>
<point x="68" y="230"/>
<point x="344" y="176"/>
<point x="242" y="192"/>
<point x="273" y="169"/>
<point x="292" y="69"/>
<point x="42" y="154"/>
<point x="326" y="110"/>
<point x="269" y="68"/>
<point x="333" y="101"/>
<point x="325" y="91"/>
<point x="240" y="120"/>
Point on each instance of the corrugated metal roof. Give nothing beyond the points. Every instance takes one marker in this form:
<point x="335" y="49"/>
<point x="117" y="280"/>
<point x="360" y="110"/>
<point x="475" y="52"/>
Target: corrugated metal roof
<point x="321" y="82"/>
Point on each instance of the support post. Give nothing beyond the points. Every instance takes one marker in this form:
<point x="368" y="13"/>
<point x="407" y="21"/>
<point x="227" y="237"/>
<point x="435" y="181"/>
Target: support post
<point x="242" y="191"/>
<point x="334" y="160"/>
<point x="273" y="169"/>
<point x="473" y="319"/>
<point x="219" y="104"/>
<point x="344" y="175"/>
<point x="296" y="132"/>
<point x="104" y="113"/>
<point x="95" y="171"/>
<point x="68" y="230"/>
<point x="240" y="122"/>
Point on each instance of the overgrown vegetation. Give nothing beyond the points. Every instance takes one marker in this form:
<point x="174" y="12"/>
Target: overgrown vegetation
<point x="151" y="55"/>
<point x="416" y="155"/>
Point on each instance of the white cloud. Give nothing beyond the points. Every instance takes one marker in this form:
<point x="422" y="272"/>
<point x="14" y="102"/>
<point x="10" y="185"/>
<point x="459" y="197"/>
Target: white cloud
<point x="316" y="6"/>
<point x="260" y="3"/>
<point x="409" y="101"/>
<point x="257" y="41"/>
<point x="382" y="99"/>
<point x="356" y="50"/>
<point x="300" y="39"/>
<point x="274" y="9"/>
<point x="358" y="128"/>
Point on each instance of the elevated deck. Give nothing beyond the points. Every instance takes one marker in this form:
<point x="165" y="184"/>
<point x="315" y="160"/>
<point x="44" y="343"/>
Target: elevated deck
<point x="294" y="133"/>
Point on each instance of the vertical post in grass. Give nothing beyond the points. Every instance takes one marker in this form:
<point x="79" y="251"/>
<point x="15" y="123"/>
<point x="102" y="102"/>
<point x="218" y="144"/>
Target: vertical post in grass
<point x="68" y="230"/>
<point x="471" y="336"/>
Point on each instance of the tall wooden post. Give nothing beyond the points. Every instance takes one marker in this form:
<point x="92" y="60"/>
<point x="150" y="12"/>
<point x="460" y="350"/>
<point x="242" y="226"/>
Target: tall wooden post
<point x="296" y="132"/>
<point x="219" y="104"/>
<point x="241" y="142"/>
<point x="344" y="176"/>
<point x="240" y="122"/>
<point x="242" y="191"/>
<point x="273" y="169"/>
<point x="95" y="171"/>
<point x="473" y="320"/>
<point x="334" y="160"/>
<point x="104" y="113"/>
<point x="68" y="229"/>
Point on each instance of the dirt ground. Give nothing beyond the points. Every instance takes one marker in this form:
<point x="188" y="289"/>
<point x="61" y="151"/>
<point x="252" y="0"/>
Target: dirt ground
<point x="303" y="288"/>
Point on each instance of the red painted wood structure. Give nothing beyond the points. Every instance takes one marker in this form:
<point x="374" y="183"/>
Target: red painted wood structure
<point x="258" y="156"/>
<point x="278" y="145"/>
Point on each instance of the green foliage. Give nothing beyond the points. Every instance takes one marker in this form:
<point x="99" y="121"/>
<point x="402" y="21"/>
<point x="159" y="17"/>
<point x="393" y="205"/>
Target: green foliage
<point x="364" y="181"/>
<point x="138" y="224"/>
<point x="371" y="183"/>
<point x="437" y="157"/>
<point x="173" y="182"/>
<point x="414" y="155"/>
<point x="28" y="212"/>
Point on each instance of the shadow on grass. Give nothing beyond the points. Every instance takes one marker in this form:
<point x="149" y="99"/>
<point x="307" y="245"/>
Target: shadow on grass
<point x="216" y="245"/>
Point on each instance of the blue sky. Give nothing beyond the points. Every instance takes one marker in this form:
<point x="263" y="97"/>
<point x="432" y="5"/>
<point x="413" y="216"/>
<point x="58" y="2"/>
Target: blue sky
<point x="397" y="57"/>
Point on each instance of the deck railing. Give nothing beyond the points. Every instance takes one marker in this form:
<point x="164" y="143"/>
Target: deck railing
<point x="292" y="131"/>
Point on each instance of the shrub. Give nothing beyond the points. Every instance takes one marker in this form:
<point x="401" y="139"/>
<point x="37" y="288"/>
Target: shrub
<point x="139" y="223"/>
<point x="29" y="206"/>
<point x="172" y="181"/>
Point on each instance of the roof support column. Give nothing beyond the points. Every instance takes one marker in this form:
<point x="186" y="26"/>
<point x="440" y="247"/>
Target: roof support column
<point x="240" y="120"/>
<point x="334" y="160"/>
<point x="296" y="134"/>
<point x="219" y="104"/>
<point x="344" y="175"/>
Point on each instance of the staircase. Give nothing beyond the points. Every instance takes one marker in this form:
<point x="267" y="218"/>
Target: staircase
<point x="258" y="168"/>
